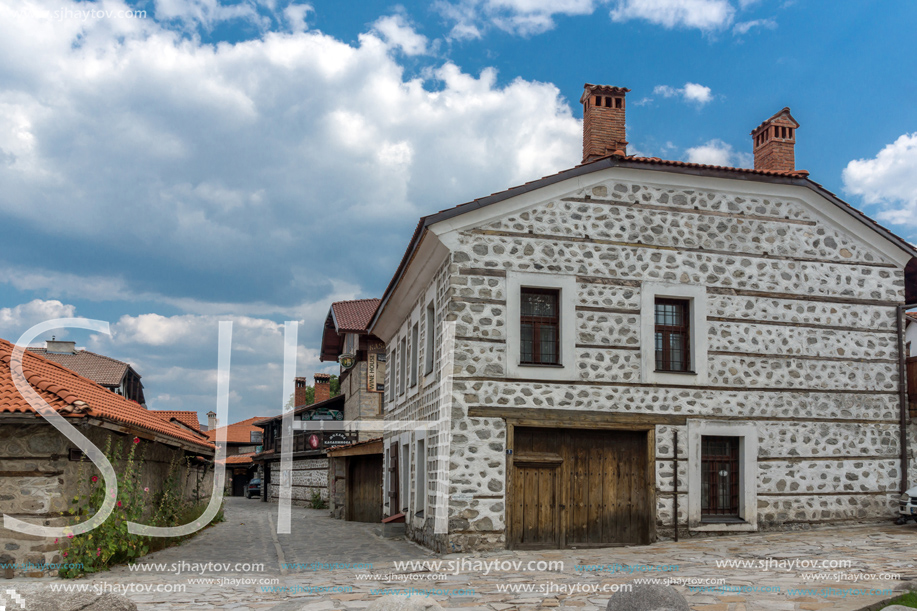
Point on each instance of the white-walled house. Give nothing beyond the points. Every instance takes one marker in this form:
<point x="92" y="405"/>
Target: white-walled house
<point x="570" y="330"/>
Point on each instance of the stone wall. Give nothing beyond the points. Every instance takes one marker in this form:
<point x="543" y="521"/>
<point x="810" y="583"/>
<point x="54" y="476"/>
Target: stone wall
<point x="309" y="475"/>
<point x="37" y="482"/>
<point x="800" y="327"/>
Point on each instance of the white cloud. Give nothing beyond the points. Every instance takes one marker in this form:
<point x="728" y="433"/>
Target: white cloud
<point x="17" y="320"/>
<point x="704" y="15"/>
<point x="889" y="179"/>
<point x="744" y="27"/>
<point x="691" y="92"/>
<point x="717" y="152"/>
<point x="295" y="15"/>
<point x="396" y="30"/>
<point x="221" y="157"/>
<point x="522" y="17"/>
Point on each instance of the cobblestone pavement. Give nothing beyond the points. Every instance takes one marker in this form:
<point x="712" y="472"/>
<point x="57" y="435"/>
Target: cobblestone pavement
<point x="776" y="568"/>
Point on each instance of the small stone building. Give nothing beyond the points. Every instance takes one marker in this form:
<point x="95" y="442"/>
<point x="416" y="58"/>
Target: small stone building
<point x="634" y="346"/>
<point x="40" y="467"/>
<point x="355" y="470"/>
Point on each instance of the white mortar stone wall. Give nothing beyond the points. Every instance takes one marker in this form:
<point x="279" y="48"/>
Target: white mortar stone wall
<point x="816" y="375"/>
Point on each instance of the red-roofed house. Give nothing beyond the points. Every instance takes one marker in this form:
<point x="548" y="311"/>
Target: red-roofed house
<point x="50" y="471"/>
<point x="355" y="475"/>
<point x="577" y="340"/>
<point x="242" y="440"/>
<point x="117" y="376"/>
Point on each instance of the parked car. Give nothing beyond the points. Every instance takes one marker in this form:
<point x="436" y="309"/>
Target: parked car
<point x="907" y="506"/>
<point x="253" y="488"/>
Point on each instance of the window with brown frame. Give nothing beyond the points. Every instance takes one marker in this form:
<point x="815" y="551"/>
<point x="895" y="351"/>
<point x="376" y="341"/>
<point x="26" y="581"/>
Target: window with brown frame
<point x="720" y="477"/>
<point x="539" y="327"/>
<point x="673" y="336"/>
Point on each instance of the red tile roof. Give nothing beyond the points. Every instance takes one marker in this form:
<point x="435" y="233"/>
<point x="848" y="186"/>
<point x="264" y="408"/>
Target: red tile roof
<point x="74" y="396"/>
<point x="911" y="315"/>
<point x="354" y="316"/>
<point x="99" y="368"/>
<point x="239" y="432"/>
<point x="240" y="459"/>
<point x="187" y="418"/>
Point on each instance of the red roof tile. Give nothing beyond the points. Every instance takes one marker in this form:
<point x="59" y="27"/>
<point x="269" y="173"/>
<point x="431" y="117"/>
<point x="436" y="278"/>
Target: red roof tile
<point x="240" y="459"/>
<point x="73" y="395"/>
<point x="187" y="418"/>
<point x="239" y="432"/>
<point x="354" y="316"/>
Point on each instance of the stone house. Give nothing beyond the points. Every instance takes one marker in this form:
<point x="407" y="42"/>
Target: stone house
<point x="310" y="460"/>
<point x="117" y="376"/>
<point x="40" y="467"/>
<point x="635" y="348"/>
<point x="355" y="469"/>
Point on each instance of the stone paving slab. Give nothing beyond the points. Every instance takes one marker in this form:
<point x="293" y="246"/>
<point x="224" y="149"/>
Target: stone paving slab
<point x="774" y="562"/>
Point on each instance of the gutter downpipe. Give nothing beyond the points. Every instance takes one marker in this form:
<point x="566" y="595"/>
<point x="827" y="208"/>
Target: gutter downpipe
<point x="676" y="485"/>
<point x="902" y="393"/>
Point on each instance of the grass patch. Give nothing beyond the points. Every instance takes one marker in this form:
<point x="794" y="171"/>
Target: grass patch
<point x="908" y="600"/>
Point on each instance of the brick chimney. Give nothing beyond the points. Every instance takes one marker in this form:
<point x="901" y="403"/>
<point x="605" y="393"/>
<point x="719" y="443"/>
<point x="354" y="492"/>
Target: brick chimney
<point x="322" y="387"/>
<point x="299" y="396"/>
<point x="211" y="421"/>
<point x="775" y="143"/>
<point x="603" y="121"/>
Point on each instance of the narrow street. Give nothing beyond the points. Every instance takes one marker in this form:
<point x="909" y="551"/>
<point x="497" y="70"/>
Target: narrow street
<point x="326" y="564"/>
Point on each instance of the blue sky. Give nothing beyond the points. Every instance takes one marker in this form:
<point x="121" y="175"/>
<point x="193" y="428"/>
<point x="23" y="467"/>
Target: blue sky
<point x="256" y="160"/>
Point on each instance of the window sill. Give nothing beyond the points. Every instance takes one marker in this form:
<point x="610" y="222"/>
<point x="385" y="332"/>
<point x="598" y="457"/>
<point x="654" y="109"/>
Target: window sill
<point x="722" y="520"/>
<point x="549" y="365"/>
<point x="678" y="373"/>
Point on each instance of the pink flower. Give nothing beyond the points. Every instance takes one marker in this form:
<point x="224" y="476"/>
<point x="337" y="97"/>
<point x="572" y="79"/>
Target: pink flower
<point x="94" y="479"/>
<point x="146" y="489"/>
<point x="55" y="540"/>
<point x="65" y="554"/>
<point x="99" y="553"/>
<point x="119" y="503"/>
<point x="136" y="440"/>
<point x="70" y="536"/>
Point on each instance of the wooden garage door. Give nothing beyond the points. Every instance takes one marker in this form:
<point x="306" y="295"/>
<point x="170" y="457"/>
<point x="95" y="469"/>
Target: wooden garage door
<point x="580" y="488"/>
<point x="364" y="488"/>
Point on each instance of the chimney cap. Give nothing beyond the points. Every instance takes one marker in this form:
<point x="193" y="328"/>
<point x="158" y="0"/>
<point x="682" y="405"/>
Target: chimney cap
<point x="782" y="117"/>
<point x="589" y="89"/>
<point x="322" y="377"/>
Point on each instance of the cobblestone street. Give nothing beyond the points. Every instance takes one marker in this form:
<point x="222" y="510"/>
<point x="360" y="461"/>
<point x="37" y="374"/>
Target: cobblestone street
<point x="249" y="536"/>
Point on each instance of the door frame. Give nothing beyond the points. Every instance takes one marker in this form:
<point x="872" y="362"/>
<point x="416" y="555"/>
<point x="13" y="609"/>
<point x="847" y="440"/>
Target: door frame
<point x="512" y="423"/>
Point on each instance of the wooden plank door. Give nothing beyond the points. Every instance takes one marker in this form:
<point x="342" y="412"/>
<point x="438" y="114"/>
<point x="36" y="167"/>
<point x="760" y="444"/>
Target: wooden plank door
<point x="364" y="488"/>
<point x="536" y="494"/>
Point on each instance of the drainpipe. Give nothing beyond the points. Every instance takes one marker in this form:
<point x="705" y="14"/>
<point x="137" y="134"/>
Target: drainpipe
<point x="902" y="392"/>
<point x="676" y="484"/>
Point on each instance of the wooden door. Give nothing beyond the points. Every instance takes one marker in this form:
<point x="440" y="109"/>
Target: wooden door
<point x="582" y="488"/>
<point x="364" y="488"/>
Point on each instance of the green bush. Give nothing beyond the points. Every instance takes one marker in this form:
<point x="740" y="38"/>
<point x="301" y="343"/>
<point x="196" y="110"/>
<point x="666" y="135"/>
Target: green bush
<point x="316" y="501"/>
<point x="110" y="543"/>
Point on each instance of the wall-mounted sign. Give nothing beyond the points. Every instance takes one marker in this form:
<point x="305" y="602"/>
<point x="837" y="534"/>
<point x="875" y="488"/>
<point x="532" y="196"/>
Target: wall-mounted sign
<point x="256" y="436"/>
<point x="375" y="370"/>
<point x="313" y="441"/>
<point x="339" y="438"/>
<point x="347" y="361"/>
